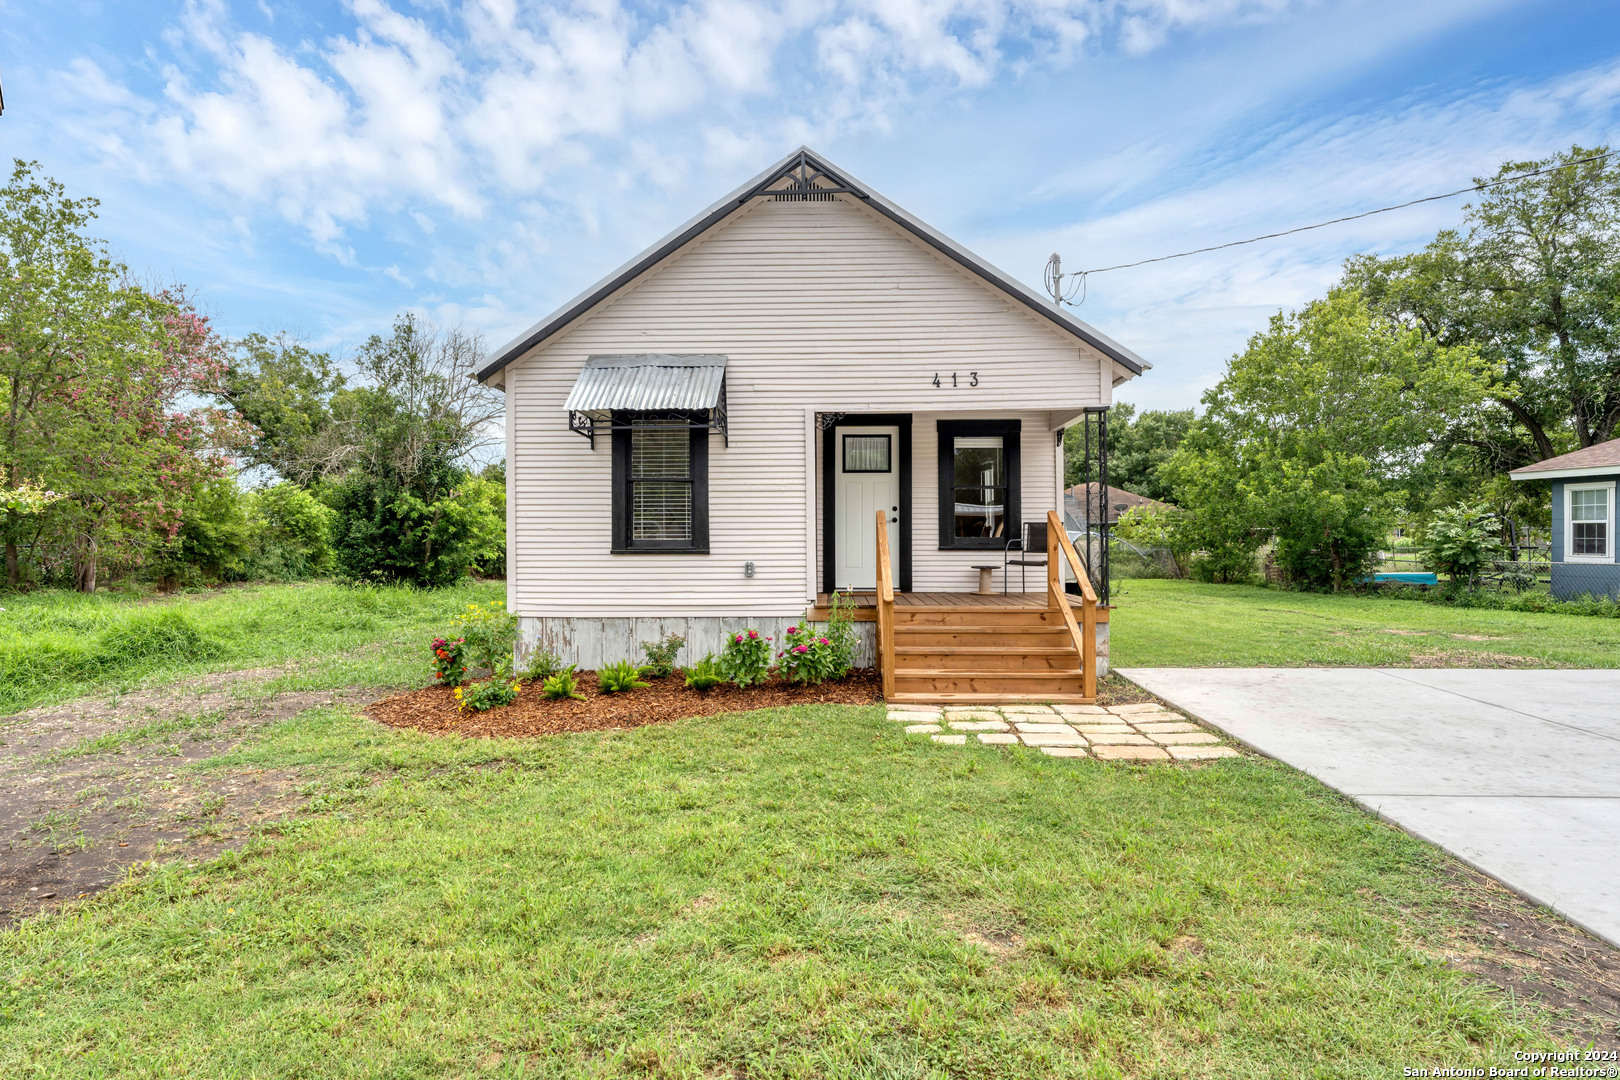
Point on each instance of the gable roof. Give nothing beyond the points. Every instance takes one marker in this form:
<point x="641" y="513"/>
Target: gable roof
<point x="1599" y="459"/>
<point x="804" y="171"/>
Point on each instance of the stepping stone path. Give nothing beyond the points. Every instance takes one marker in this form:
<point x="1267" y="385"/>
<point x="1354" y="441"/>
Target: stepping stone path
<point x="1144" y="732"/>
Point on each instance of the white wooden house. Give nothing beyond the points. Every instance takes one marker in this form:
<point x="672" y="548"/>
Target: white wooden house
<point x="704" y="440"/>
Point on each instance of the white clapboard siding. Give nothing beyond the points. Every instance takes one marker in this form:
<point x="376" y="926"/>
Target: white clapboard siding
<point x="818" y="305"/>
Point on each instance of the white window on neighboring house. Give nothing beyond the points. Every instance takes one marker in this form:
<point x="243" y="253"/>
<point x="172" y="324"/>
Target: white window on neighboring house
<point x="1589" y="522"/>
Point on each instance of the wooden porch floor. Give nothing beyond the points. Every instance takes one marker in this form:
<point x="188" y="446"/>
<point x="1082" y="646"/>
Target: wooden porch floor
<point x="866" y="602"/>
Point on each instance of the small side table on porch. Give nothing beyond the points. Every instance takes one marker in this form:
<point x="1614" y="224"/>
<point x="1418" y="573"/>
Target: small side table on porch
<point x="985" y="587"/>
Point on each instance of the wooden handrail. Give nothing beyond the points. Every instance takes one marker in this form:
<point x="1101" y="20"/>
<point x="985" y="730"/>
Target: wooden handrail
<point x="885" y="607"/>
<point x="1085" y="635"/>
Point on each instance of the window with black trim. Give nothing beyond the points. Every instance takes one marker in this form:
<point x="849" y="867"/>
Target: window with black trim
<point x="978" y="483"/>
<point x="660" y="484"/>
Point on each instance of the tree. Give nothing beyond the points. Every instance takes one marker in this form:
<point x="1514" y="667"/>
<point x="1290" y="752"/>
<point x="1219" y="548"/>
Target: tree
<point x="285" y="390"/>
<point x="1137" y="445"/>
<point x="1530" y="283"/>
<point x="1311" y="431"/>
<point x="100" y="378"/>
<point x="408" y="429"/>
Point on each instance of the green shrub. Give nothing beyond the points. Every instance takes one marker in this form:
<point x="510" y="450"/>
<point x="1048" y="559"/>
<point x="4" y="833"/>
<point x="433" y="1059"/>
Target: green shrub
<point x="661" y="655"/>
<point x="746" y="659"/>
<point x="491" y="634"/>
<point x="383" y="533"/>
<point x="704" y="674"/>
<point x="150" y="639"/>
<point x="290" y="535"/>
<point x="213" y="538"/>
<point x="564" y="684"/>
<point x="449" y="662"/>
<point x="1536" y="602"/>
<point x="1457" y="542"/>
<point x="809" y="655"/>
<point x="490" y="694"/>
<point x="620" y="678"/>
<point x="542" y="665"/>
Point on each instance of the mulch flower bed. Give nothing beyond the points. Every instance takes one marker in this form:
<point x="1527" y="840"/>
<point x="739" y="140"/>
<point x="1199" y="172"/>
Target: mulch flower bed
<point x="434" y="708"/>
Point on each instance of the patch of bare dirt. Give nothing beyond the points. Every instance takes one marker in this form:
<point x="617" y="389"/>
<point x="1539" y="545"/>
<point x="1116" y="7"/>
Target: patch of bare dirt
<point x="1535" y="955"/>
<point x="1466" y="658"/>
<point x="92" y="787"/>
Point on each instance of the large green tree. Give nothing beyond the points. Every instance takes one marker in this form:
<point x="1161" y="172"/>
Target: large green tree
<point x="101" y="379"/>
<point x="1313" y="430"/>
<point x="1532" y="282"/>
<point x="1138" y="443"/>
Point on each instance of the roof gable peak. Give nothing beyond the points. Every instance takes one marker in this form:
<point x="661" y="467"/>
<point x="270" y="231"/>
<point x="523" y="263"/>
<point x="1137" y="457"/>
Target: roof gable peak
<point x="805" y="175"/>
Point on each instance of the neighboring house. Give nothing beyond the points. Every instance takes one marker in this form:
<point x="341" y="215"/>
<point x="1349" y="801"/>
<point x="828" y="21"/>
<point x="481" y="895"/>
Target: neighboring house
<point x="701" y="441"/>
<point x="1583" y="543"/>
<point x="1077" y="499"/>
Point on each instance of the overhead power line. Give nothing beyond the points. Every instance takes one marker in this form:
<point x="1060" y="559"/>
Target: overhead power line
<point x="1054" y="266"/>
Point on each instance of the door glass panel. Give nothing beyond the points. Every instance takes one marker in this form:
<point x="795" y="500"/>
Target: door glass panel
<point x="866" y="453"/>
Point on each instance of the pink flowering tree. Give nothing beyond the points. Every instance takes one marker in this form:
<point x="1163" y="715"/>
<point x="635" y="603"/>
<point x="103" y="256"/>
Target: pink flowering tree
<point x="107" y="388"/>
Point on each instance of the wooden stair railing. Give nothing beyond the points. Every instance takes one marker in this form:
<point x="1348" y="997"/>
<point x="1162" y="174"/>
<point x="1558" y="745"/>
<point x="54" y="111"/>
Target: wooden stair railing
<point x="1085" y="637"/>
<point x="885" y="607"/>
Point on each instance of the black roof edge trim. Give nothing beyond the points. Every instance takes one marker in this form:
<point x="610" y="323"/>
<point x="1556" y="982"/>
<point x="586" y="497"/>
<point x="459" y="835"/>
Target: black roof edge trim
<point x="724" y="208"/>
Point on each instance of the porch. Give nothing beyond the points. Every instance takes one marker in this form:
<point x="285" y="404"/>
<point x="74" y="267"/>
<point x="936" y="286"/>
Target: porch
<point x="866" y="606"/>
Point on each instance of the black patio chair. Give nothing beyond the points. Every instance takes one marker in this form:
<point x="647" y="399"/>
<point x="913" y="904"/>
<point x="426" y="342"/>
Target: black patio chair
<point x="1026" y="545"/>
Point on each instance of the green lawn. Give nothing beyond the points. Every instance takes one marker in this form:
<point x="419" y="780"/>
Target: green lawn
<point x="56" y="645"/>
<point x="788" y="893"/>
<point x="785" y="893"/>
<point x="1158" y="623"/>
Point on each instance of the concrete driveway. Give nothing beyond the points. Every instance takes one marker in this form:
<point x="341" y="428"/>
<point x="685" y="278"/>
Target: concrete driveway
<point x="1515" y="772"/>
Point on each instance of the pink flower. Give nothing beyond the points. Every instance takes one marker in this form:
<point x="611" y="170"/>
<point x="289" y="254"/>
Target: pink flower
<point x="793" y="629"/>
<point x="753" y="634"/>
<point x="739" y="639"/>
<point x="821" y="641"/>
<point x="801" y="649"/>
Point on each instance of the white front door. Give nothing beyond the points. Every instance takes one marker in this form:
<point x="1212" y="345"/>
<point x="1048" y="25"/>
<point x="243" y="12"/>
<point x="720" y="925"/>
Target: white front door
<point x="866" y="478"/>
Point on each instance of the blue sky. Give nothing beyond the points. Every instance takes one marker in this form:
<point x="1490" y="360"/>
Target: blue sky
<point x="318" y="167"/>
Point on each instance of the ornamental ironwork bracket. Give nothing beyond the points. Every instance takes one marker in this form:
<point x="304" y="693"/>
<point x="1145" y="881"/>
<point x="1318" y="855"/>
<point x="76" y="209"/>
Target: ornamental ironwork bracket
<point x="578" y="421"/>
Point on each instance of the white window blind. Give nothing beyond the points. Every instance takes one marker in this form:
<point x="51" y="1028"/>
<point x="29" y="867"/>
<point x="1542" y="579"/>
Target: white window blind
<point x="660" y="483"/>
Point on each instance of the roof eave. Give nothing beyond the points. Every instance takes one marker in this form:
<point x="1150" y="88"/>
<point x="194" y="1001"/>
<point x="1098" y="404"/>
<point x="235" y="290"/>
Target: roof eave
<point x="1565" y="474"/>
<point x="725" y="207"/>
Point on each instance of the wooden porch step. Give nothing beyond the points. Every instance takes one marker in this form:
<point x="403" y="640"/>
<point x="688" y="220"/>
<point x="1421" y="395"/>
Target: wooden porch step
<point x="987" y="658"/>
<point x="1012" y="683"/>
<point x="933" y="698"/>
<point x="971" y="638"/>
<point x="976" y="616"/>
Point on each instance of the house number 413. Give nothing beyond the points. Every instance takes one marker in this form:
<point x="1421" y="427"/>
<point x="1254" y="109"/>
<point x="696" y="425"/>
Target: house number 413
<point x="973" y="379"/>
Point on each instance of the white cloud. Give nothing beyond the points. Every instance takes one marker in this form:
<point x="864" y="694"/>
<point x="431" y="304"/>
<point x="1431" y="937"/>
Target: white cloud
<point x="499" y="97"/>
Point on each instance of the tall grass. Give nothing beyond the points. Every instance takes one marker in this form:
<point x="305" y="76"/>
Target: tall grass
<point x="56" y="644"/>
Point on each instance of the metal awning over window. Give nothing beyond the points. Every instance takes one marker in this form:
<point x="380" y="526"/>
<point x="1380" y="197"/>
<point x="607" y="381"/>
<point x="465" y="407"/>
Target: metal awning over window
<point x="684" y="390"/>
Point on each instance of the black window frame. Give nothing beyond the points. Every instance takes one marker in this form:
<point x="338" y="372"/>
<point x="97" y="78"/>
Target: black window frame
<point x="1011" y="432"/>
<point x="624" y="542"/>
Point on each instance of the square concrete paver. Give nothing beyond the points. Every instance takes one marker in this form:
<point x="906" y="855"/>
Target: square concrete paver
<point x="950" y="740"/>
<point x="1139" y="707"/>
<point x="906" y="707"/>
<point x="978" y="725"/>
<point x="1201" y="753"/>
<point x="1183" y="738"/>
<point x="1104" y="729"/>
<point x="1063" y="751"/>
<point x="1129" y="753"/>
<point x="972" y="714"/>
<point x="1164" y="729"/>
<point x="1081" y="710"/>
<point x="1511" y="771"/>
<point x="923" y="729"/>
<point x="1054" y="740"/>
<point x="1000" y="739"/>
<point x="1037" y="710"/>
<point x="1131" y="739"/>
<point x="1049" y="729"/>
